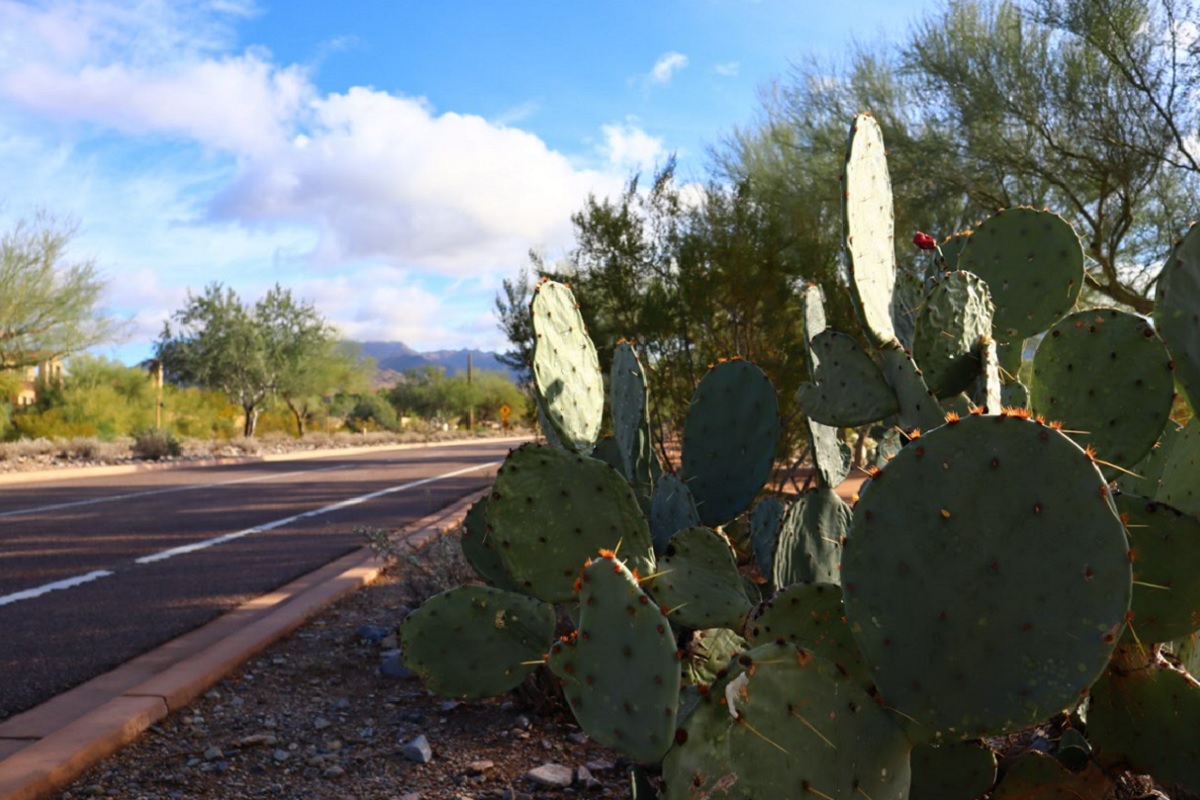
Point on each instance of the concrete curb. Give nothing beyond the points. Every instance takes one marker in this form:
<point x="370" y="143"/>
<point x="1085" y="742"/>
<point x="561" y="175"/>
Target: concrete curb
<point x="44" y="749"/>
<point x="74" y="473"/>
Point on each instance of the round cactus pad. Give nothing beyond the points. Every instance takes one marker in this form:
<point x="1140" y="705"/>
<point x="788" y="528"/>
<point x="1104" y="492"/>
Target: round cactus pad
<point x="671" y="509"/>
<point x="992" y="544"/>
<point x="1180" y="485"/>
<point x="622" y="635"/>
<point x="1149" y="719"/>
<point x="1166" y="584"/>
<point x="847" y="388"/>
<point x="480" y="549"/>
<point x="476" y="641"/>
<point x="698" y="581"/>
<point x="805" y="729"/>
<point x="729" y="439"/>
<point x="1033" y="265"/>
<point x="951" y="323"/>
<point x="566" y="371"/>
<point x="550" y="510"/>
<point x="1107" y="377"/>
<point x="868" y="228"/>
<point x="953" y="771"/>
<point x="1177" y="311"/>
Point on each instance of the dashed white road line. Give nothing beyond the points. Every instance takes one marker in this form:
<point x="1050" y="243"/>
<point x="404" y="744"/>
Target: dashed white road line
<point x="162" y="555"/>
<point x="151" y="492"/>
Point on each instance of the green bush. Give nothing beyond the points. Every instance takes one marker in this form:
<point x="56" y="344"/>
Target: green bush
<point x="153" y="444"/>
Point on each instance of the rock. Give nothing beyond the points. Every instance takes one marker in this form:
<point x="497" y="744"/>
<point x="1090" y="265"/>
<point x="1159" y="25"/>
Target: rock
<point x="479" y="767"/>
<point x="578" y="737"/>
<point x="522" y="722"/>
<point x="585" y="779"/>
<point x="281" y="755"/>
<point x="414" y="717"/>
<point x="320" y="723"/>
<point x="418" y="750"/>
<point x="268" y="739"/>
<point x="555" y="776"/>
<point x="212" y="754"/>
<point x="333" y="772"/>
<point x="391" y="665"/>
<point x="342" y="705"/>
<point x="371" y="634"/>
<point x="600" y="765"/>
<point x="448" y="706"/>
<point x="410" y="796"/>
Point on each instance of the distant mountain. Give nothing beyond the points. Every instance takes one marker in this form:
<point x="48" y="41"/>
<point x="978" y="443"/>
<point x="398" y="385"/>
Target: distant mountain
<point x="399" y="357"/>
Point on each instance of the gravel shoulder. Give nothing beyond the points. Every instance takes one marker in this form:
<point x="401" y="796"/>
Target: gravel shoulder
<point x="330" y="713"/>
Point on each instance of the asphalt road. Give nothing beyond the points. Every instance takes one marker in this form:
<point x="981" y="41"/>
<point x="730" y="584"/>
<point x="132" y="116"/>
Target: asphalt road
<point x="96" y="571"/>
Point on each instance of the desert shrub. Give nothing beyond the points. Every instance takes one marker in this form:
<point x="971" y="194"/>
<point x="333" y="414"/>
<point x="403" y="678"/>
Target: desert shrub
<point x="153" y="444"/>
<point x="424" y="570"/>
<point x="372" y="413"/>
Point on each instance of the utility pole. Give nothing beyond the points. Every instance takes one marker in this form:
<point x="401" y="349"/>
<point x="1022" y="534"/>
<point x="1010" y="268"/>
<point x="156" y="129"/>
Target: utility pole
<point x="470" y="398"/>
<point x="158" y="387"/>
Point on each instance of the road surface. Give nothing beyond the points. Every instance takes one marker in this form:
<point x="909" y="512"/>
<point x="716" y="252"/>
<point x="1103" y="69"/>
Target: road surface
<point x="96" y="571"/>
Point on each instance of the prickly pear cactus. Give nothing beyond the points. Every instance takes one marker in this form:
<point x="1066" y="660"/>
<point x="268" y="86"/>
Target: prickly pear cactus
<point x="869" y="229"/>
<point x="940" y="560"/>
<point x="671" y="509"/>
<point x="1166" y="584"/>
<point x="698" y="582"/>
<point x="566" y="371"/>
<point x="954" y="319"/>
<point x="1177" y="311"/>
<point x="631" y="417"/>
<point x="729" y="439"/>
<point x="847" y="388"/>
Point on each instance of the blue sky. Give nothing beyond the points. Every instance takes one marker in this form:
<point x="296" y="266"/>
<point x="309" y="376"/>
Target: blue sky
<point x="390" y="161"/>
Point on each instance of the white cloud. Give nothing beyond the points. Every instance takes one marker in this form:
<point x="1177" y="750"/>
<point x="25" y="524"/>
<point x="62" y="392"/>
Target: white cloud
<point x="729" y="69"/>
<point x="665" y="67"/>
<point x="628" y="147"/>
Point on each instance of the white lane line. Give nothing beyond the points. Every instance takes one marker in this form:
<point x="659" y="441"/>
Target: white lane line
<point x="134" y="495"/>
<point x="66" y="583"/>
<point x="316" y="512"/>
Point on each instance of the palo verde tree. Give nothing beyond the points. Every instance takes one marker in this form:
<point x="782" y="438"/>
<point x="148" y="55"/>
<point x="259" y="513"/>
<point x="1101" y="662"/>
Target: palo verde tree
<point x="50" y="305"/>
<point x="247" y="352"/>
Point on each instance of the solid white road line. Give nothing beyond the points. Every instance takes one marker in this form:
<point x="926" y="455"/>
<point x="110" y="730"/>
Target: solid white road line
<point x="191" y="548"/>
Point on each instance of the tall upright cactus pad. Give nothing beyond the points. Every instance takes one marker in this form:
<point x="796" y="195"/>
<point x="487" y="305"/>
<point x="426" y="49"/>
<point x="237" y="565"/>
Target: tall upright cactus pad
<point x="566" y="371"/>
<point x="698" y="582"/>
<point x="1180" y="485"/>
<point x="847" y="388"/>
<point x="803" y="728"/>
<point x="810" y="542"/>
<point x="1105" y="374"/>
<point x="1149" y="719"/>
<point x="1033" y="265"/>
<point x="1166" y="583"/>
<point x="631" y="416"/>
<point x="810" y="615"/>
<point x="476" y="641"/>
<point x="954" y="318"/>
<point x="766" y="520"/>
<point x="621" y="634"/>
<point x="1177" y="311"/>
<point x="480" y="549"/>
<point x="551" y="509"/>
<point x="992" y="543"/>
<point x="729" y="439"/>
<point x="671" y="509"/>
<point x="830" y="455"/>
<point x="869" y="229"/>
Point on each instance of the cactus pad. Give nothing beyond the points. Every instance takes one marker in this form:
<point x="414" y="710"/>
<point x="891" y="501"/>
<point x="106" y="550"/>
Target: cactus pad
<point x="480" y="550"/>
<point x="698" y="581"/>
<point x="805" y="729"/>
<point x="621" y="634"/>
<point x="1149" y="719"/>
<point x="847" y="388"/>
<point x="566" y="371"/>
<point x="1033" y="265"/>
<point x="1177" y="311"/>
<point x="476" y="641"/>
<point x="1035" y="776"/>
<point x="810" y="615"/>
<point x="1180" y="485"/>
<point x="955" y="317"/>
<point x="991" y="541"/>
<point x="810" y="542"/>
<point x="729" y="439"/>
<point x="766" y="520"/>
<point x="953" y="771"/>
<point x="1147" y="474"/>
<point x="869" y="228"/>
<point x="552" y="509"/>
<point x="671" y="509"/>
<point x="906" y="305"/>
<point x="709" y="653"/>
<point x="697" y="766"/>
<point x="918" y="407"/>
<point x="631" y="417"/>
<point x="1106" y="374"/>
<point x="1166" y="583"/>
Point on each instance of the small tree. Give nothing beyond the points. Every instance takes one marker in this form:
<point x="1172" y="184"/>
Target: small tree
<point x="49" y="305"/>
<point x="247" y="353"/>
